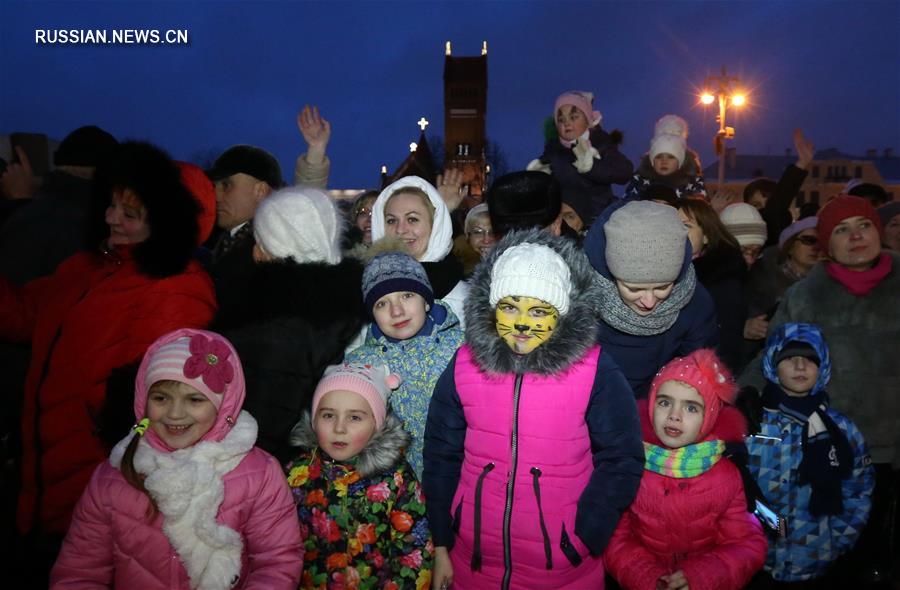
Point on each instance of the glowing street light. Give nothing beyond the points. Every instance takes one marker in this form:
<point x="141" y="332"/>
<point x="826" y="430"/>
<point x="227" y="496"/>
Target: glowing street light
<point x="722" y="87"/>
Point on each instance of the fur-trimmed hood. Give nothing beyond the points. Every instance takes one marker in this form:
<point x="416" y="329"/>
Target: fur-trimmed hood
<point x="575" y="333"/>
<point x="730" y="426"/>
<point x="173" y="212"/>
<point x="319" y="293"/>
<point x="382" y="453"/>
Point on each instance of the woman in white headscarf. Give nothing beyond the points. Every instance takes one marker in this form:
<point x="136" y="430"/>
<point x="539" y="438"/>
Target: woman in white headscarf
<point x="412" y="210"/>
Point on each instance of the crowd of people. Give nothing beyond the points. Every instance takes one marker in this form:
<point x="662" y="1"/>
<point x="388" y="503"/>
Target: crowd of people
<point x="219" y="380"/>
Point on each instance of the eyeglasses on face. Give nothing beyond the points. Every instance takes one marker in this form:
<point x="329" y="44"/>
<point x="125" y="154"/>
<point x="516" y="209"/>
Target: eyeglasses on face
<point x="481" y="233"/>
<point x="364" y="212"/>
<point x="808" y="240"/>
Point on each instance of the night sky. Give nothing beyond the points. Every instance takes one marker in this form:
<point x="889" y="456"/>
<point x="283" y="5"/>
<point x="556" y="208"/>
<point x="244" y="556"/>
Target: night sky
<point x="374" y="68"/>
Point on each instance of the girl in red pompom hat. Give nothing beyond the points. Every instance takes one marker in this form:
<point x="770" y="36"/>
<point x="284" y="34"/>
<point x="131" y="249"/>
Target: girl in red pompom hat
<point x="689" y="526"/>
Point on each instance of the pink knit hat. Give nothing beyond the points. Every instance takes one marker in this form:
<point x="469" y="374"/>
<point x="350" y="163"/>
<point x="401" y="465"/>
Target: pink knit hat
<point x="706" y="373"/>
<point x="581" y="100"/>
<point x="204" y="360"/>
<point x="374" y="384"/>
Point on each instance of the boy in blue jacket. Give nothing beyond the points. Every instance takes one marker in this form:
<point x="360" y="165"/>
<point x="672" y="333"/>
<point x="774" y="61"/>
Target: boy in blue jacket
<point x="810" y="461"/>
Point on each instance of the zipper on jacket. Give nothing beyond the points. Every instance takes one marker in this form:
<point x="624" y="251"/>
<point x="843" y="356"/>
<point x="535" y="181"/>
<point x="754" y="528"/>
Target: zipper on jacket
<point x="536" y="474"/>
<point x="476" y="546"/>
<point x="510" y="487"/>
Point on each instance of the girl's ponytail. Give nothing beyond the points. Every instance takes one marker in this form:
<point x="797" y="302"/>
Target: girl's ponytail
<point x="135" y="479"/>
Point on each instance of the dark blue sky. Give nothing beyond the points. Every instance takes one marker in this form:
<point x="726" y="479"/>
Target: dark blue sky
<point x="830" y="67"/>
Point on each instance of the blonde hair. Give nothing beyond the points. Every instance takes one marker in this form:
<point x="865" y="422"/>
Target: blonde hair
<point x="411" y="190"/>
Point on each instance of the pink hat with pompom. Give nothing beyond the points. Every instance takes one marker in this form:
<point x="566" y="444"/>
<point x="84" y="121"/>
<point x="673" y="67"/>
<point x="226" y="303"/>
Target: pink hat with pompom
<point x="706" y="373"/>
<point x="374" y="384"/>
<point x="581" y="100"/>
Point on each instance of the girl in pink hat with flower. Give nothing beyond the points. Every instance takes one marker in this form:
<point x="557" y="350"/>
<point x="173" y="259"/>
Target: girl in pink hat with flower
<point x="185" y="500"/>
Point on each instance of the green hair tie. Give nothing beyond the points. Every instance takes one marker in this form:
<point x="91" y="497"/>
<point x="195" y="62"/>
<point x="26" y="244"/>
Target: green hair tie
<point x="141" y="427"/>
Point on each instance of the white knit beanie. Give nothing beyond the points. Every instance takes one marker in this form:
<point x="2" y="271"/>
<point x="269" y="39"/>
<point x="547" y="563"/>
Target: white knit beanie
<point x="671" y="125"/>
<point x="532" y="270"/>
<point x="666" y="143"/>
<point x="645" y="243"/>
<point x="300" y="223"/>
<point x="745" y="224"/>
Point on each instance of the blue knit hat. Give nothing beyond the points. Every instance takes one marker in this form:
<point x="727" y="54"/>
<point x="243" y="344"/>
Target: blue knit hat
<point x="390" y="272"/>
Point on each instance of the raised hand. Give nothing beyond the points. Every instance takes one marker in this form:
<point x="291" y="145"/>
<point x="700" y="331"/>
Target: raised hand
<point x="18" y="182"/>
<point x="448" y="185"/>
<point x="316" y="131"/>
<point x="805" y="149"/>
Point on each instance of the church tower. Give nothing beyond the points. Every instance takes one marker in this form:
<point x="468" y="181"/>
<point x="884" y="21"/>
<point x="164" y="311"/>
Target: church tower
<point x="465" y="112"/>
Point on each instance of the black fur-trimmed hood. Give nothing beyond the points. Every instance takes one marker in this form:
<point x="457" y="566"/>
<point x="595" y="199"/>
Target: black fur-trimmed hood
<point x="172" y="211"/>
<point x="575" y="333"/>
<point x="322" y="294"/>
<point x="381" y="454"/>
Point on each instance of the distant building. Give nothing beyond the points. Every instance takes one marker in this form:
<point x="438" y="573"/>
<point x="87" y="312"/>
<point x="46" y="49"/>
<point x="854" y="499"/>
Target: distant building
<point x="465" y="113"/>
<point x="829" y="172"/>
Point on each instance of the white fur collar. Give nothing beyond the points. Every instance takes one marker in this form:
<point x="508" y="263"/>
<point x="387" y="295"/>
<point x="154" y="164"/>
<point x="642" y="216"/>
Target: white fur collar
<point x="187" y="486"/>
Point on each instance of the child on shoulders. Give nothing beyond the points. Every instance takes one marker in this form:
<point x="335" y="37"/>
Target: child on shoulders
<point x="360" y="506"/>
<point x="810" y="460"/>
<point x="689" y="526"/>
<point x="670" y="162"/>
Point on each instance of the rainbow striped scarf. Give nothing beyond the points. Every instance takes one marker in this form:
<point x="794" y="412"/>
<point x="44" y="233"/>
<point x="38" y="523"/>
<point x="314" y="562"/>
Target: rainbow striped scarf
<point x="689" y="461"/>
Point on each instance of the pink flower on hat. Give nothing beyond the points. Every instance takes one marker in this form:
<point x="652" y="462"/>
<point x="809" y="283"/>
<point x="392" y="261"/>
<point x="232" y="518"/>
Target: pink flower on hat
<point x="209" y="361"/>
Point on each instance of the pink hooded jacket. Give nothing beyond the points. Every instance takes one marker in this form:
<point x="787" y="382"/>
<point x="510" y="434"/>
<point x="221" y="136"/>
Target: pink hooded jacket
<point x="253" y="540"/>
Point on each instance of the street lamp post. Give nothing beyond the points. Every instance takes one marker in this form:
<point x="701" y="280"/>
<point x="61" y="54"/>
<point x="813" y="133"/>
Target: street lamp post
<point x="723" y="88"/>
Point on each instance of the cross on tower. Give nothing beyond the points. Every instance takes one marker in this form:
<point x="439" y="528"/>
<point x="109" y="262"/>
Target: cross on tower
<point x="423" y="123"/>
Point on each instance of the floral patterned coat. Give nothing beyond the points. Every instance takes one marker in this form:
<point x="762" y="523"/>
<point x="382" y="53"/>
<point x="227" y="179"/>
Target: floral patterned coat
<point x="363" y="521"/>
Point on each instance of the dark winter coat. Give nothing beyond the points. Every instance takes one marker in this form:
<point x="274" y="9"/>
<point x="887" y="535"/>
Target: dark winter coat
<point x="443" y="274"/>
<point x="46" y="230"/>
<point x="589" y="193"/>
<point x="767" y="282"/>
<point x="686" y="181"/>
<point x="500" y="418"/>
<point x="640" y="357"/>
<point x="289" y="321"/>
<point x="776" y="213"/>
<point x="231" y="267"/>
<point x="863" y="336"/>
<point x="723" y="272"/>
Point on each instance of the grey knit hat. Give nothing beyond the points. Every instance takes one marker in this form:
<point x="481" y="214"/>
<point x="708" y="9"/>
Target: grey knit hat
<point x="645" y="243"/>
<point x="390" y="272"/>
<point x="745" y="224"/>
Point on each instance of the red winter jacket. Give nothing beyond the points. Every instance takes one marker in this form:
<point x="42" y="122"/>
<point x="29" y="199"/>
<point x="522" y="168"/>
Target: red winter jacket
<point x="699" y="525"/>
<point x="95" y="313"/>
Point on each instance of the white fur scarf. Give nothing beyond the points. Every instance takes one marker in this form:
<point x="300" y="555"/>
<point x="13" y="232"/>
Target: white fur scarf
<point x="187" y="486"/>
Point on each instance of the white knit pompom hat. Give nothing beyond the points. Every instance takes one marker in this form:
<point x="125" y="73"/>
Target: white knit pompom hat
<point x="532" y="270"/>
<point x="671" y="125"/>
<point x="300" y="223"/>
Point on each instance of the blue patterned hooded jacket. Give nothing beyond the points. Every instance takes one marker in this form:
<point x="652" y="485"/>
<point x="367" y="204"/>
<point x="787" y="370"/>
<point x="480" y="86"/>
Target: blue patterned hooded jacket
<point x="811" y="543"/>
<point x="419" y="361"/>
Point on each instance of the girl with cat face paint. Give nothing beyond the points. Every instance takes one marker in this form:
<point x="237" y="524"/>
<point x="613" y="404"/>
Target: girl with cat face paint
<point x="516" y="415"/>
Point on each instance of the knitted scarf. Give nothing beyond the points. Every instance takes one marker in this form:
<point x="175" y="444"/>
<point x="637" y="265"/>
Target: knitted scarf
<point x="827" y="456"/>
<point x="689" y="461"/>
<point x="860" y="284"/>
<point x="617" y="314"/>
